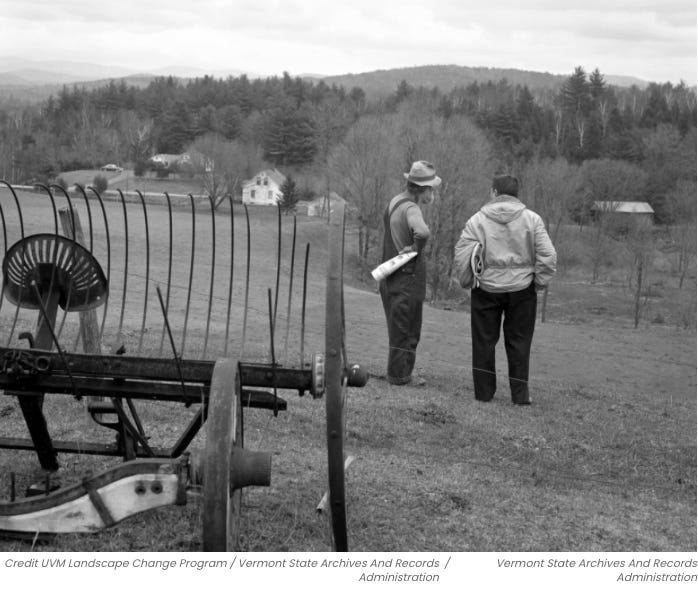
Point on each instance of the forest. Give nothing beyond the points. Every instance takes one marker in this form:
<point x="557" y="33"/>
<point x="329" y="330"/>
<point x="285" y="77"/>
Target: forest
<point x="583" y="142"/>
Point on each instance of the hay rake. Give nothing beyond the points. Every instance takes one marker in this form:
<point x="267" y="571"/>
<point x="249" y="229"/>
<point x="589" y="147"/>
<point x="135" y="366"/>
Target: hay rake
<point x="142" y="305"/>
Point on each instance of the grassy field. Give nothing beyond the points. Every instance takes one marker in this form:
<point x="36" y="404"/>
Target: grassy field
<point x="604" y="460"/>
<point x="127" y="181"/>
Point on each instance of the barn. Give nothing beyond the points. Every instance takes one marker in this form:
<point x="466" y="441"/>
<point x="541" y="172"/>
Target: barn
<point x="624" y="213"/>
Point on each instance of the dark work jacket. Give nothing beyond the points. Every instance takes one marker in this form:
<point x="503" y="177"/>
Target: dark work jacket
<point x="413" y="276"/>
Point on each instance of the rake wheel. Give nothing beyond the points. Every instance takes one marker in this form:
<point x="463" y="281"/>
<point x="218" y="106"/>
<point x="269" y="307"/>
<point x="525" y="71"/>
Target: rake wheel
<point x="221" y="504"/>
<point x="335" y="377"/>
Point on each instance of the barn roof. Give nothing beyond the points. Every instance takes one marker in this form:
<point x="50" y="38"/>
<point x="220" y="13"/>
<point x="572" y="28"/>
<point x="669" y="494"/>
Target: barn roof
<point x="623" y="206"/>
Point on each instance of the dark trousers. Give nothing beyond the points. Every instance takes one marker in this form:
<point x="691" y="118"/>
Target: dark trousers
<point x="402" y="297"/>
<point x="486" y="311"/>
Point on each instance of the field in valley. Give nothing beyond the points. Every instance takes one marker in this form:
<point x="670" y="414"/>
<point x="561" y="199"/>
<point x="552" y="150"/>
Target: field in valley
<point x="604" y="459"/>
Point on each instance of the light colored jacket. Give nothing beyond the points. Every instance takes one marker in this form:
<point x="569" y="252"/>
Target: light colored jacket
<point x="516" y="248"/>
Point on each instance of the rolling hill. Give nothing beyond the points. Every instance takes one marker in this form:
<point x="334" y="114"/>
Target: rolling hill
<point x="37" y="80"/>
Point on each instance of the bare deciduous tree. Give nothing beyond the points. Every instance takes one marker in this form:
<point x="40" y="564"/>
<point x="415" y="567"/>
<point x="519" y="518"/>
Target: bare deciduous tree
<point x="549" y="187"/>
<point x="223" y="165"/>
<point x="608" y="182"/>
<point x="682" y="204"/>
<point x="364" y="170"/>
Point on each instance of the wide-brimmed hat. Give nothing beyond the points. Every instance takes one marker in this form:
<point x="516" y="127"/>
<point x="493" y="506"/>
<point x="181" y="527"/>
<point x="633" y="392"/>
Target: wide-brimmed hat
<point x="423" y="173"/>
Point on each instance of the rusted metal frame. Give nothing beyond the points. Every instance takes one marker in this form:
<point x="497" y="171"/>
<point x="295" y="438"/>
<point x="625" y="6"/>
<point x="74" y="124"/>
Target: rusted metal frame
<point x="134" y="430"/>
<point x="80" y="448"/>
<point x="48" y="322"/>
<point x="123" y="470"/>
<point x="192" y="429"/>
<point x="197" y="372"/>
<point x="156" y="389"/>
<point x="262" y="375"/>
<point x="97" y="502"/>
<point x="169" y="334"/>
<point x="106" y="231"/>
<point x="166" y="306"/>
<point x="123" y="366"/>
<point x="191" y="273"/>
<point x="232" y="269"/>
<point x="147" y="270"/>
<point x="114" y="388"/>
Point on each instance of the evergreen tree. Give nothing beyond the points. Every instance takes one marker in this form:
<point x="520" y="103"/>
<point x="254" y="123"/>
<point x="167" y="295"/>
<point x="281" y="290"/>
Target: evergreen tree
<point x="289" y="138"/>
<point x="289" y="195"/>
<point x="657" y="109"/>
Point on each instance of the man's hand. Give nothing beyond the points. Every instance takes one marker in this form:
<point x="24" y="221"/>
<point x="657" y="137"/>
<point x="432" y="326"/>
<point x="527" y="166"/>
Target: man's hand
<point x="408" y="249"/>
<point x="454" y="283"/>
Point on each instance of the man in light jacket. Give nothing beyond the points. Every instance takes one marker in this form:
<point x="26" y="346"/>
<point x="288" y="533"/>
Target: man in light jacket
<point x="505" y="256"/>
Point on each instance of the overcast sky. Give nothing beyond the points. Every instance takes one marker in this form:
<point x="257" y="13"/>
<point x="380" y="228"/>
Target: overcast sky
<point x="651" y="39"/>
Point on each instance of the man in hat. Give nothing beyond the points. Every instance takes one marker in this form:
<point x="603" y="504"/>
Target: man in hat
<point x="505" y="256"/>
<point x="403" y="292"/>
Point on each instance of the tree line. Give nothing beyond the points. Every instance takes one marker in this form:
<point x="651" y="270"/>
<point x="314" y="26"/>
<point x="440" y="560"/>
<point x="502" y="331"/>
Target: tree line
<point x="583" y="142"/>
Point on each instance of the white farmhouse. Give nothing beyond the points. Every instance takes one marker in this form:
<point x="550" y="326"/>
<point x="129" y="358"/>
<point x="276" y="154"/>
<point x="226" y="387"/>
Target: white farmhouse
<point x="264" y="188"/>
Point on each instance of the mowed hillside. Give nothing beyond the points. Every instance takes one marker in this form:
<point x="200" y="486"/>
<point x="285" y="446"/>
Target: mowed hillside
<point x="604" y="460"/>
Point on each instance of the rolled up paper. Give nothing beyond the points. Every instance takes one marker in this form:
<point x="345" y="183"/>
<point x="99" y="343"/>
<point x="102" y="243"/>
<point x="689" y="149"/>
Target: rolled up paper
<point x="390" y="266"/>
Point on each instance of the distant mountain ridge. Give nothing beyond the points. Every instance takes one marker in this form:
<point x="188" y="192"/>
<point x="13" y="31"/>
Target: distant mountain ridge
<point x="447" y="77"/>
<point x="36" y="80"/>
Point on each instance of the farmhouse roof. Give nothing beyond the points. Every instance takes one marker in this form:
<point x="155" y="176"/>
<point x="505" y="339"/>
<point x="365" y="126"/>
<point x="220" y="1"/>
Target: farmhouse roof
<point x="167" y="158"/>
<point x="272" y="173"/>
<point x="623" y="206"/>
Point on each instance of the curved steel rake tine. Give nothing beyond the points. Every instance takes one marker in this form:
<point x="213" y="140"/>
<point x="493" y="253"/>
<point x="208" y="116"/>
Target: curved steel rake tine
<point x="123" y="295"/>
<point x="213" y="273"/>
<point x="72" y="234"/>
<point x="19" y="209"/>
<point x="49" y="190"/>
<point x="278" y="261"/>
<point x="166" y="303"/>
<point x="290" y="290"/>
<point x="47" y="322"/>
<point x="232" y="268"/>
<point x="147" y="270"/>
<point x="73" y="230"/>
<point x="305" y="293"/>
<point x="106" y="232"/>
<point x="89" y="216"/>
<point x="21" y="231"/>
<point x="191" y="271"/>
<point x="53" y="205"/>
<point x="4" y="230"/>
<point x="4" y="239"/>
<point x="172" y="343"/>
<point x="271" y="351"/>
<point x="247" y="283"/>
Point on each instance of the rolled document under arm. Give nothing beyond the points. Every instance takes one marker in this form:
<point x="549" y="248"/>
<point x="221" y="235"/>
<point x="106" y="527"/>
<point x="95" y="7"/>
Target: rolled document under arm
<point x="390" y="266"/>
